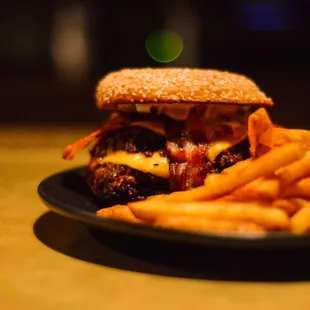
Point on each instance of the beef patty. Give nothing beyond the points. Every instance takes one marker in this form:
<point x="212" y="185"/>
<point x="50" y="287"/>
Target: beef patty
<point x="108" y="180"/>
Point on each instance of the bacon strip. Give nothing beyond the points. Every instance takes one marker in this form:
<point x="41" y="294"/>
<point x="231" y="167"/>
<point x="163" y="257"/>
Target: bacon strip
<point x="116" y="121"/>
<point x="71" y="150"/>
<point x="187" y="146"/>
<point x="196" y="148"/>
<point x="197" y="166"/>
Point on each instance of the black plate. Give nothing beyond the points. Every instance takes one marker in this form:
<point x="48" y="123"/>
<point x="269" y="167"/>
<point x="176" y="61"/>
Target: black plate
<point x="66" y="193"/>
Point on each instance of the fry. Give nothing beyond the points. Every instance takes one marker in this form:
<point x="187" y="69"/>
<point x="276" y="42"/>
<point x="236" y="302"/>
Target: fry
<point x="270" y="218"/>
<point x="263" y="166"/>
<point x="226" y="198"/>
<point x="214" y="177"/>
<point x="301" y="189"/>
<point x="289" y="206"/>
<point x="258" y="122"/>
<point x="295" y="171"/>
<point x="206" y="225"/>
<point x="239" y="165"/>
<point x="159" y="197"/>
<point x="259" y="189"/>
<point x="300" y="222"/>
<point x="119" y="212"/>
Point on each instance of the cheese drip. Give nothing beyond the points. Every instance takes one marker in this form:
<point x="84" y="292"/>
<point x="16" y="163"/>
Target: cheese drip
<point x="156" y="165"/>
<point x="216" y="148"/>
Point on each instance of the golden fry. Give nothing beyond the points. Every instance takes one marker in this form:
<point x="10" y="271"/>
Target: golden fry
<point x="259" y="189"/>
<point x="212" y="179"/>
<point x="206" y="225"/>
<point x="215" y="178"/>
<point x="299" y="190"/>
<point x="289" y="206"/>
<point x="239" y="165"/>
<point x="226" y="198"/>
<point x="295" y="171"/>
<point x="259" y="213"/>
<point x="300" y="222"/>
<point x="260" y="167"/>
<point x="159" y="197"/>
<point x="119" y="212"/>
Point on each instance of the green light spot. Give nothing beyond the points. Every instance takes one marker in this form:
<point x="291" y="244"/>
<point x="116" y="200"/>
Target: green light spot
<point x="164" y="45"/>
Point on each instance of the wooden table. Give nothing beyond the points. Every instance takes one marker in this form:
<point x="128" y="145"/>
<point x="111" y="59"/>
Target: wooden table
<point x="49" y="262"/>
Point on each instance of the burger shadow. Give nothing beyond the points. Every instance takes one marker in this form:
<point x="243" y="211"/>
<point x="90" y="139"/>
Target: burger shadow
<point x="143" y="255"/>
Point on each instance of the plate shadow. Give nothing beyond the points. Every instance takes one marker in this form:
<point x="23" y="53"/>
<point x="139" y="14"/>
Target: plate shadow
<point x="137" y="254"/>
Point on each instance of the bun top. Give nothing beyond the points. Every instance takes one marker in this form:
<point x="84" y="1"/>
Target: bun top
<point x="177" y="85"/>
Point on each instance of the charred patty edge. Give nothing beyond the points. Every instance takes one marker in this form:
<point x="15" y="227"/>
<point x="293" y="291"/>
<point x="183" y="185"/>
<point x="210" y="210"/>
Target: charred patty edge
<point x="110" y="180"/>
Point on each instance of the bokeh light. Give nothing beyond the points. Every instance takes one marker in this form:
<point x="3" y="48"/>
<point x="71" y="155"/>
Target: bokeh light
<point x="164" y="45"/>
<point x="266" y="15"/>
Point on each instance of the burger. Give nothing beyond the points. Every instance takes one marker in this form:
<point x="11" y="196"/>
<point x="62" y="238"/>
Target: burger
<point x="168" y="129"/>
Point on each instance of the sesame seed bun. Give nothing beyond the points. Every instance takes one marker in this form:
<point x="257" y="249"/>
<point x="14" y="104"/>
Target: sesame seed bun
<point x="177" y="85"/>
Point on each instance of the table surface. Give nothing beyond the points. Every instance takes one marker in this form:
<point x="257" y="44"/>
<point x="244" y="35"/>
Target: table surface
<point x="47" y="262"/>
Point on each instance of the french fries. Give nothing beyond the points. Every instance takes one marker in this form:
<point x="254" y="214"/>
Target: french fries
<point x="295" y="171"/>
<point x="300" y="222"/>
<point x="207" y="225"/>
<point x="270" y="218"/>
<point x="233" y="169"/>
<point x="259" y="189"/>
<point x="119" y="212"/>
<point x="300" y="189"/>
<point x="290" y="206"/>
<point x="268" y="192"/>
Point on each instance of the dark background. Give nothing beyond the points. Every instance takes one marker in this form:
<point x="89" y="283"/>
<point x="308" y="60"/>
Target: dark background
<point x="52" y="53"/>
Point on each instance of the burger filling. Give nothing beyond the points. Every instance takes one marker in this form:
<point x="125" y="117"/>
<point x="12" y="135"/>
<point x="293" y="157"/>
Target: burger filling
<point x="157" y="150"/>
<point x="130" y="164"/>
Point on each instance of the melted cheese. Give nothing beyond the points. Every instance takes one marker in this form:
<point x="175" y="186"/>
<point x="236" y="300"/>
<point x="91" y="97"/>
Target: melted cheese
<point x="220" y="142"/>
<point x="218" y="147"/>
<point x="157" y="127"/>
<point x="156" y="164"/>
